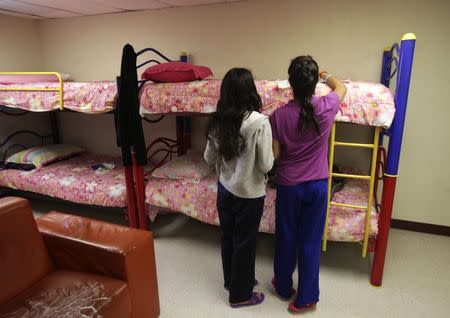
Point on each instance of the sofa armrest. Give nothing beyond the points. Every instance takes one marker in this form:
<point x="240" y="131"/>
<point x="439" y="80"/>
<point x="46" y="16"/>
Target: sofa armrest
<point x="86" y="245"/>
<point x="24" y="259"/>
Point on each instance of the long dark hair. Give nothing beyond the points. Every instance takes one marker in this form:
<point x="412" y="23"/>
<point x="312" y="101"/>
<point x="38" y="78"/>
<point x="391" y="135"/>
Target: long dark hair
<point x="238" y="98"/>
<point x="303" y="77"/>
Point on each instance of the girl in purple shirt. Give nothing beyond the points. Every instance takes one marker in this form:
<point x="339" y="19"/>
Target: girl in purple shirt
<point x="300" y="131"/>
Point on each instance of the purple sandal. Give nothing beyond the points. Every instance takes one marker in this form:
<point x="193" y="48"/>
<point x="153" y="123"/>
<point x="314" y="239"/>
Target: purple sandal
<point x="257" y="298"/>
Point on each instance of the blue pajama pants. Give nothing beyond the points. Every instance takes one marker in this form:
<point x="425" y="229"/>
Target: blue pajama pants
<point x="300" y="219"/>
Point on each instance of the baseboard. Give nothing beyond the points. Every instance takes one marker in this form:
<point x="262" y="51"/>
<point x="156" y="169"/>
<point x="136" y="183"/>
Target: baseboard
<point x="421" y="227"/>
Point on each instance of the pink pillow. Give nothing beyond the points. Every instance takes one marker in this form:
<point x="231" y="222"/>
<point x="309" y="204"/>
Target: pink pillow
<point x="173" y="72"/>
<point x="189" y="168"/>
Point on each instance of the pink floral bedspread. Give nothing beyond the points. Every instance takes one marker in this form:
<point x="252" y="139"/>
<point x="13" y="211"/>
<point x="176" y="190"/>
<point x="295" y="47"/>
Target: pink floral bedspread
<point x="73" y="180"/>
<point x="199" y="201"/>
<point x="347" y="224"/>
<point x="366" y="103"/>
<point x="91" y="98"/>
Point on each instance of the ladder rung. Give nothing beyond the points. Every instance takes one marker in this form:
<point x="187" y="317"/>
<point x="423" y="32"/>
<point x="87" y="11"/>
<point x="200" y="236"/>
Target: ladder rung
<point x="352" y="176"/>
<point x="351" y="144"/>
<point x="349" y="205"/>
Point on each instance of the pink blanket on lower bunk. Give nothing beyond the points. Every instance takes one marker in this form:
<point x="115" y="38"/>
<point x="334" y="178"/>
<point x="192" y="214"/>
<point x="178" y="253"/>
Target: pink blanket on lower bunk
<point x="73" y="180"/>
<point x="199" y="201"/>
<point x="91" y="97"/>
<point x="366" y="103"/>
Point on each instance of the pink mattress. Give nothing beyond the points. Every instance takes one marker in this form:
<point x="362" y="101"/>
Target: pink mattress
<point x="199" y="201"/>
<point x="73" y="180"/>
<point x="366" y="103"/>
<point x="91" y="98"/>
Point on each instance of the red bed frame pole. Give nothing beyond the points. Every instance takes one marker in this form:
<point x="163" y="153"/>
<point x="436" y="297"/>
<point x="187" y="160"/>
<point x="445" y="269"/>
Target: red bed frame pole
<point x="131" y="198"/>
<point x="384" y="224"/>
<point x="138" y="172"/>
<point x="406" y="54"/>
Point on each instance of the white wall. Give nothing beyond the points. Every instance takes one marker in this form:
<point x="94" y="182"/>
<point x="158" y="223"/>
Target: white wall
<point x="21" y="51"/>
<point x="346" y="37"/>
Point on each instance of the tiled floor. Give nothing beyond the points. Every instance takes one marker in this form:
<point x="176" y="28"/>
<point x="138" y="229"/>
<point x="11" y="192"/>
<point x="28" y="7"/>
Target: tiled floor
<point x="416" y="282"/>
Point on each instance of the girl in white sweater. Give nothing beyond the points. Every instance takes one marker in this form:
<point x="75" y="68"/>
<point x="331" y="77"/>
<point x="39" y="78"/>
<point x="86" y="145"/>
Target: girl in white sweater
<point x="240" y="146"/>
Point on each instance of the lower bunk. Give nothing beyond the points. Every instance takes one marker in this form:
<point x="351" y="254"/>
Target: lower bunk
<point x="197" y="199"/>
<point x="78" y="179"/>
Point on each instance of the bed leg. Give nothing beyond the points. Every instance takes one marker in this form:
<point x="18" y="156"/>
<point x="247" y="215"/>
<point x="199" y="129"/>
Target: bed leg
<point x="131" y="208"/>
<point x="138" y="173"/>
<point x="180" y="135"/>
<point x="384" y="224"/>
<point x="140" y="196"/>
<point x="184" y="131"/>
<point x="55" y="128"/>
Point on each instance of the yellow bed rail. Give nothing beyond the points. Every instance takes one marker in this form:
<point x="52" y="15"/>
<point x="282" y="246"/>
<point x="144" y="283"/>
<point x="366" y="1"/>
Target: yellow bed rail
<point x="59" y="89"/>
<point x="370" y="178"/>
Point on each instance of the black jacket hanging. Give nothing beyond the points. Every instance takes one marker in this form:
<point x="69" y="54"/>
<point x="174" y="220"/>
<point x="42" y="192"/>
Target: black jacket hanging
<point x="129" y="132"/>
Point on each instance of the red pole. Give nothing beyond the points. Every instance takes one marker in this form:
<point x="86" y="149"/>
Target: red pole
<point x="131" y="208"/>
<point x="384" y="224"/>
<point x="139" y="182"/>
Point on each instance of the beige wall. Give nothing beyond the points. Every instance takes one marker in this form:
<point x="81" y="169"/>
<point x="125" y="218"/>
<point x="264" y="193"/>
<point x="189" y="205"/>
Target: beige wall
<point x="20" y="51"/>
<point x="346" y="37"/>
<point x="21" y="46"/>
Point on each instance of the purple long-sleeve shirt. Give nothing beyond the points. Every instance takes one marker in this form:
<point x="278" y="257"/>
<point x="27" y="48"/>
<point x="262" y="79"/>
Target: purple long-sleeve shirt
<point x="304" y="156"/>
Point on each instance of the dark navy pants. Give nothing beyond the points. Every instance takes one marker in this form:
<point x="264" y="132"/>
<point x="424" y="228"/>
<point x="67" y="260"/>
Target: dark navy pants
<point x="239" y="223"/>
<point x="300" y="219"/>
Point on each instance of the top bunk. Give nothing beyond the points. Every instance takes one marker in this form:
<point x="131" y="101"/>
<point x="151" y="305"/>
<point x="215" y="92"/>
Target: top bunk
<point x="366" y="103"/>
<point x="47" y="91"/>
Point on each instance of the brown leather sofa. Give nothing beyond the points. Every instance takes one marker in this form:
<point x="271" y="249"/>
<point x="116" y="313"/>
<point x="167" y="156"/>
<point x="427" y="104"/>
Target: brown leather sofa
<point x="67" y="266"/>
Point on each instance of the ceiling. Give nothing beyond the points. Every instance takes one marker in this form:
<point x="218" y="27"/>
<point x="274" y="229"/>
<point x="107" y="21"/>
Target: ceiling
<point x="51" y="9"/>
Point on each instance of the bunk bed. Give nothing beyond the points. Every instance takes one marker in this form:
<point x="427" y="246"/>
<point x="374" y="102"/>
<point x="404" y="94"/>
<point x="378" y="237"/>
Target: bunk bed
<point x="354" y="214"/>
<point x="88" y="98"/>
<point x="72" y="179"/>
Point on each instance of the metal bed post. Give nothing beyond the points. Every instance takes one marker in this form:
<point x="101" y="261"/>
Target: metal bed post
<point x="179" y="122"/>
<point x="393" y="157"/>
<point x="138" y="170"/>
<point x="183" y="129"/>
<point x="183" y="124"/>
<point x="55" y="127"/>
<point x="131" y="202"/>
<point x="386" y="66"/>
<point x="385" y="80"/>
<point x="385" y="74"/>
<point x="135" y="175"/>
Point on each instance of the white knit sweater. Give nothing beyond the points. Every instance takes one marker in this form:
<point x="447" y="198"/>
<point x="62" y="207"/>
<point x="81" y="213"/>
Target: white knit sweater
<point x="246" y="176"/>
